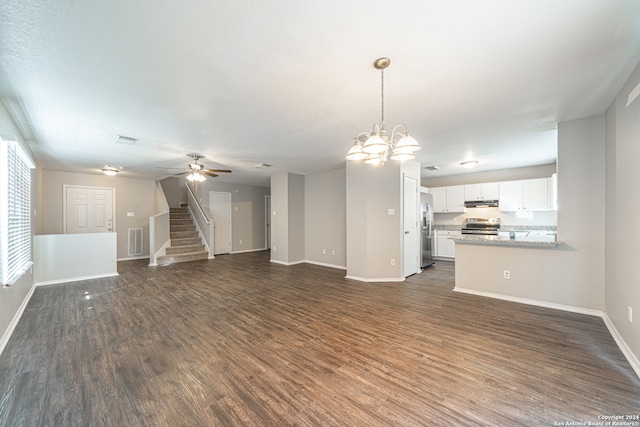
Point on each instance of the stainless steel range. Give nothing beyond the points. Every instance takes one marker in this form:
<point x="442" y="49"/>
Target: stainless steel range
<point x="481" y="226"/>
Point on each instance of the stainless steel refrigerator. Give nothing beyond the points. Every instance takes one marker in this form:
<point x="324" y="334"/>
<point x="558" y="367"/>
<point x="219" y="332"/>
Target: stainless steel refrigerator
<point x="427" y="235"/>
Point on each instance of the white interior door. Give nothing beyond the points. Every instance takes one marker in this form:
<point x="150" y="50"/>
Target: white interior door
<point x="411" y="264"/>
<point x="267" y="221"/>
<point x="220" y="208"/>
<point x="89" y="210"/>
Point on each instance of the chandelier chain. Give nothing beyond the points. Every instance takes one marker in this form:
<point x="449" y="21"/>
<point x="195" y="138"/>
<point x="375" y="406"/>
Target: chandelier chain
<point x="382" y="95"/>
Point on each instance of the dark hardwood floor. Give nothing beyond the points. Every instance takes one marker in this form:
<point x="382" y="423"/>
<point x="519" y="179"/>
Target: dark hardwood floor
<point x="239" y="341"/>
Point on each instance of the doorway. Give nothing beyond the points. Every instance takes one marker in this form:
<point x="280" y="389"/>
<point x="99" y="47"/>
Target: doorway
<point x="89" y="209"/>
<point x="220" y="208"/>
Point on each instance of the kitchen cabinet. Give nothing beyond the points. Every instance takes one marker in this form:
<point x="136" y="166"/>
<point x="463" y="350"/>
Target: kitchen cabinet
<point x="526" y="195"/>
<point x="448" y="199"/>
<point x="484" y="191"/>
<point x="445" y="246"/>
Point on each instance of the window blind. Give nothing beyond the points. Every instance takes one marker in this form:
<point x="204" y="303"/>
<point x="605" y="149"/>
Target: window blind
<point x="15" y="211"/>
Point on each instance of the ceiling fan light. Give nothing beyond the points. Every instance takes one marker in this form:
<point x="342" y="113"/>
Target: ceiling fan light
<point x="408" y="143"/>
<point x="196" y="177"/>
<point x="374" y="145"/>
<point x="356" y="153"/>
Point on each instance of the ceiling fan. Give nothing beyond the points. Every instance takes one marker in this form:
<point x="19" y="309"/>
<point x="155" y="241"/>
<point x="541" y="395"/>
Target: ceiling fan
<point x="197" y="171"/>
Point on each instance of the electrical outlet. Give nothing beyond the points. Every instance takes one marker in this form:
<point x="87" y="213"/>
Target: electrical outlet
<point x="240" y="241"/>
<point x="274" y="248"/>
<point x="507" y="274"/>
<point x="630" y="314"/>
<point x="333" y="252"/>
<point x="393" y="261"/>
<point x="324" y="251"/>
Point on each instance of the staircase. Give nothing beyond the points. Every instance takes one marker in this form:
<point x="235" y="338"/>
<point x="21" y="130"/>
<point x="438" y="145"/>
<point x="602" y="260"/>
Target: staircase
<point x="186" y="244"/>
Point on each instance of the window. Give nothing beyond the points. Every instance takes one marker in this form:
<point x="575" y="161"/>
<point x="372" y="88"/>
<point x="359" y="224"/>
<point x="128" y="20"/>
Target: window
<point x="15" y="211"/>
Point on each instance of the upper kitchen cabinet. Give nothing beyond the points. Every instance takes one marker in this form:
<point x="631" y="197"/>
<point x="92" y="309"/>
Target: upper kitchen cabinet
<point x="448" y="199"/>
<point x="526" y="195"/>
<point x="485" y="191"/>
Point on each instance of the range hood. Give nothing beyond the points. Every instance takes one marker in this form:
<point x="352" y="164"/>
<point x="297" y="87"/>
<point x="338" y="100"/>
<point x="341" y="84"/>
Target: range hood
<point x="481" y="204"/>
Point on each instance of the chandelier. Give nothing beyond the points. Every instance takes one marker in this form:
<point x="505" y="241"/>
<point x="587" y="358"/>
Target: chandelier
<point x="378" y="146"/>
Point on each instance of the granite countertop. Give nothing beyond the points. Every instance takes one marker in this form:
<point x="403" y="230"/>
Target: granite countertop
<point x="544" y="239"/>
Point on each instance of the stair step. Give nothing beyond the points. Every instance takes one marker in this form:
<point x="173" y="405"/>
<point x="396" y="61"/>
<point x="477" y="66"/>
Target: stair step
<point x="180" y="216"/>
<point x="178" y="210"/>
<point x="176" y="228"/>
<point x="185" y="257"/>
<point x="186" y="221"/>
<point x="183" y="234"/>
<point x="184" y="249"/>
<point x="186" y="241"/>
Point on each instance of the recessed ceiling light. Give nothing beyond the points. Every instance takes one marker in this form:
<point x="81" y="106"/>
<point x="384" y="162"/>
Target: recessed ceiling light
<point x="469" y="164"/>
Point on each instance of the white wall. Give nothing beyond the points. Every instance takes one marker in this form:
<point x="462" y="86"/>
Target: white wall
<point x="62" y="258"/>
<point x="288" y="223"/>
<point x="571" y="274"/>
<point x="325" y="218"/>
<point x="374" y="236"/>
<point x="622" y="208"/>
<point x="14" y="298"/>
<point x="132" y="195"/>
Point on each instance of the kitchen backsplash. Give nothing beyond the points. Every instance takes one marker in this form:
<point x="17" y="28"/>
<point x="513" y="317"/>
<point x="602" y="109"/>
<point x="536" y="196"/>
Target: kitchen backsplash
<point x="523" y="220"/>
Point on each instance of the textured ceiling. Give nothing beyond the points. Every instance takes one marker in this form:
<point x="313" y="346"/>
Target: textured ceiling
<point x="290" y="82"/>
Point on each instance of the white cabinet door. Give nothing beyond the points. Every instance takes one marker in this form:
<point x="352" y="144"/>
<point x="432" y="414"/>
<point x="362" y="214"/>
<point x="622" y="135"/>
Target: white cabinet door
<point x="455" y="198"/>
<point x="525" y="195"/>
<point x="490" y="191"/>
<point x="445" y="246"/>
<point x="485" y="191"/>
<point x="473" y="192"/>
<point x="439" y="199"/>
<point x="511" y="196"/>
<point x="535" y="194"/>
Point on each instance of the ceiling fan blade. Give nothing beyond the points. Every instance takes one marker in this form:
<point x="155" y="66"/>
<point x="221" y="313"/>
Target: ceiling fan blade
<point x="218" y="170"/>
<point x="209" y="174"/>
<point x="181" y="173"/>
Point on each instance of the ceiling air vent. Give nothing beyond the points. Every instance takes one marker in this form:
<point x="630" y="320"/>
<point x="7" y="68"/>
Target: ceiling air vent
<point x="126" y="140"/>
<point x="432" y="168"/>
<point x="262" y="166"/>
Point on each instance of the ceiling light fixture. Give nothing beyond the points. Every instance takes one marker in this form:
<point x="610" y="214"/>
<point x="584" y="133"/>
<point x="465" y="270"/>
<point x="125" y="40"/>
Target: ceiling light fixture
<point x="111" y="170"/>
<point x="374" y="148"/>
<point x="196" y="176"/>
<point x="469" y="164"/>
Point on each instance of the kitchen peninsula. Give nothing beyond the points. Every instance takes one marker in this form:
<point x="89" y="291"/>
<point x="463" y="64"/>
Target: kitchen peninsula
<point x="524" y="269"/>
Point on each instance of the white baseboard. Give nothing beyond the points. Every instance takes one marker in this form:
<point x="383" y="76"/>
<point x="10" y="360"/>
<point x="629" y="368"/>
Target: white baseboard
<point x="16" y="318"/>
<point x="633" y="360"/>
<point x="527" y="301"/>
<point x="275" y="261"/>
<point x="249" y="250"/>
<point x="375" y="279"/>
<point x="324" y="264"/>
<point x="75" y="279"/>
<point x="133" y="258"/>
